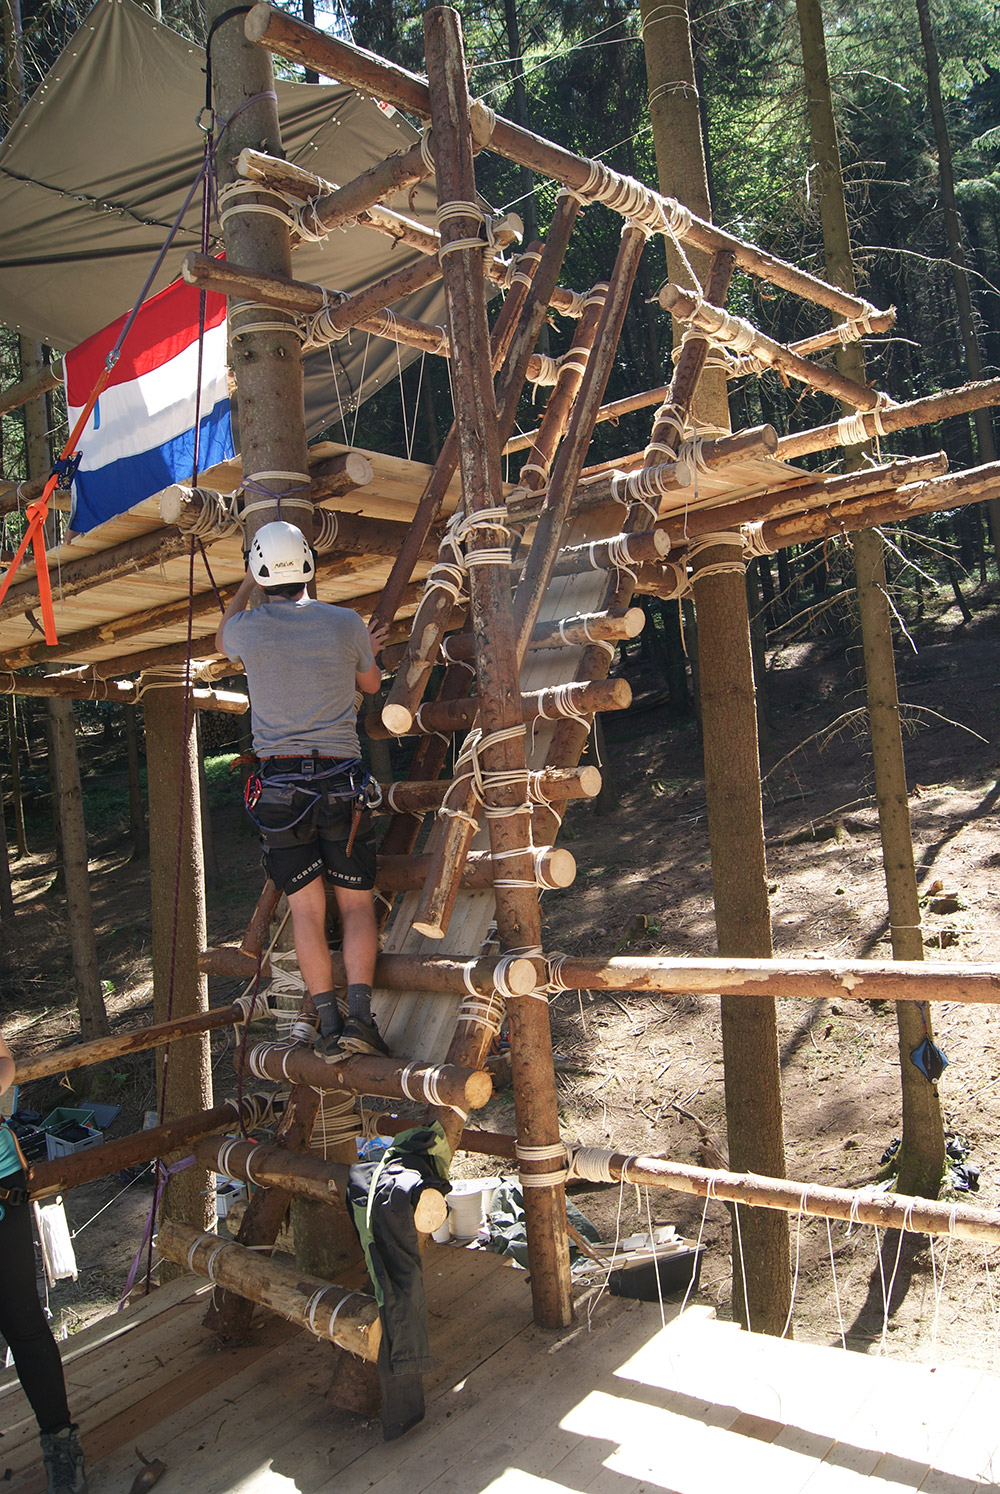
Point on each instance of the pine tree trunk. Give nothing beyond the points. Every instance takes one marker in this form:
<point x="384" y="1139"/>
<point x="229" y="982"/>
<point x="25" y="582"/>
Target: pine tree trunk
<point x="136" y="807"/>
<point x="922" y="1151"/>
<point x="20" y="838"/>
<point x="177" y="887"/>
<point x="73" y="835"/>
<point x="956" y="250"/>
<point x="761" y="1265"/>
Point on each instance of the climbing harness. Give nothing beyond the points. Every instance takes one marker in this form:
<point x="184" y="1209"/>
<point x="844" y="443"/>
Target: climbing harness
<point x="347" y="779"/>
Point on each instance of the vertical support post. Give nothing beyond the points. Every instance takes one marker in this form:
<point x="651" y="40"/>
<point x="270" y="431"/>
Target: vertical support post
<point x="518" y="916"/>
<point x="177" y="886"/>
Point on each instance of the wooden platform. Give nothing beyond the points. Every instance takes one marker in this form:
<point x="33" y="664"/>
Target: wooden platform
<point x="619" y="1405"/>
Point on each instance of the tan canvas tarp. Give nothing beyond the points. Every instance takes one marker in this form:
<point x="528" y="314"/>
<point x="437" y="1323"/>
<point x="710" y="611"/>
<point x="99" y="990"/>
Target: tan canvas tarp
<point x="94" y="171"/>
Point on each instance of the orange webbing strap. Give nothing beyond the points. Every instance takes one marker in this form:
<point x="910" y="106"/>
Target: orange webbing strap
<point x="38" y="512"/>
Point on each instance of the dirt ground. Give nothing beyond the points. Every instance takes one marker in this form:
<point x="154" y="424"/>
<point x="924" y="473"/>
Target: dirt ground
<point x="625" y="1061"/>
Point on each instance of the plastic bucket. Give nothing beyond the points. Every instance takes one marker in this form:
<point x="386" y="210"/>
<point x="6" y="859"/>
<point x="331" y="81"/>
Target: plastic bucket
<point x="469" y="1202"/>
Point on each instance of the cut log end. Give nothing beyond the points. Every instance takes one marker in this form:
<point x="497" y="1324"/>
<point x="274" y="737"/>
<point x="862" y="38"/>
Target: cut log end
<point x="171" y="504"/>
<point x="429" y="930"/>
<point x="478" y="1089"/>
<point x="559" y="869"/>
<point x="431" y="1211"/>
<point x="590" y="777"/>
<point x="257" y="23"/>
<point x="397" y="720"/>
<point x="635" y="620"/>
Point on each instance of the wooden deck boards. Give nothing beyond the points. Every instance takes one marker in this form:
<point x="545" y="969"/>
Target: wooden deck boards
<point x="620" y="1405"/>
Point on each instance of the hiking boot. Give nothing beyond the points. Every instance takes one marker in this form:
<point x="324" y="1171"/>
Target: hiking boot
<point x="63" y="1457"/>
<point x="359" y="1036"/>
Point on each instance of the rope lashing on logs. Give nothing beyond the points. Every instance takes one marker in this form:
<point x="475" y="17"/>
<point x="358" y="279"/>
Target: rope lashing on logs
<point x="851" y="429"/>
<point x="556" y="1152"/>
<point x="538" y="992"/>
<point x="258" y="482"/>
<point x="541" y="877"/>
<point x="459" y="209"/>
<point x="231" y="203"/>
<point x="484" y="1011"/>
<point x="319" y="328"/>
<point x="218" y="517"/>
<point x="428" y="1088"/>
<point x="470" y="777"/>
<point x="516" y="275"/>
<point x="561" y="702"/>
<point x="336" y="1119"/>
<point x="276" y="319"/>
<point x="732" y="539"/>
<point x="448" y="657"/>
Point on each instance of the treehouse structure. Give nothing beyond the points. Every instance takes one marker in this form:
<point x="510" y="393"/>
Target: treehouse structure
<point x="521" y="586"/>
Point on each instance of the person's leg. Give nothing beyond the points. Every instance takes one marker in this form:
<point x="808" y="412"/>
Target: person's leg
<point x="307" y="906"/>
<point x="22" y="1321"/>
<point x="360" y="947"/>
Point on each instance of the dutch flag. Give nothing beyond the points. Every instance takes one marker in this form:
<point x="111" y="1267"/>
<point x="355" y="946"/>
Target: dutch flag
<point x="140" y="437"/>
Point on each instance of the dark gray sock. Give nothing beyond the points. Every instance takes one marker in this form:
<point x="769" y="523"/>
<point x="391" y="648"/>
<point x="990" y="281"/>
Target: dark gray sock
<point x="359" y="1002"/>
<point x="330" y="1022"/>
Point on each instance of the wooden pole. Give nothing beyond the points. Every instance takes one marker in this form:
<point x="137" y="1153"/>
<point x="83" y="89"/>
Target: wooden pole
<point x="46" y="1178"/>
<point x="713" y="320"/>
<point x="891" y="418"/>
<point x="177" y="887"/>
<point x="554" y="867"/>
<point x="303" y="1174"/>
<point x="535" y="705"/>
<point x="446" y="1084"/>
<point x="123" y="692"/>
<point x="267" y="364"/>
<point x="350" y="1319"/>
<point x="884" y="1210"/>
<point x="138" y="1040"/>
<point x="518" y="917"/>
<point x="549" y="785"/>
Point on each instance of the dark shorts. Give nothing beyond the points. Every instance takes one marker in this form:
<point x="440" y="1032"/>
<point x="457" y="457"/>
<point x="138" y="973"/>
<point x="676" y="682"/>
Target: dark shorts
<point x="305" y="837"/>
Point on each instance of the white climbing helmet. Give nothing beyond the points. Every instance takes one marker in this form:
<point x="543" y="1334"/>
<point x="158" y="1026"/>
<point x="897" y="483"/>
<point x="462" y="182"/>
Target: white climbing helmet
<point x="279" y="556"/>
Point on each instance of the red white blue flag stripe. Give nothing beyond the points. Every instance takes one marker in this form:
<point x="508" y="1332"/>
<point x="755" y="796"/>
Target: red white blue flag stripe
<point x="140" y="437"/>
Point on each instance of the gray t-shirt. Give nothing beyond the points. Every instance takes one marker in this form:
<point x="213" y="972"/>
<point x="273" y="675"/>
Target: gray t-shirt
<point x="301" y="658"/>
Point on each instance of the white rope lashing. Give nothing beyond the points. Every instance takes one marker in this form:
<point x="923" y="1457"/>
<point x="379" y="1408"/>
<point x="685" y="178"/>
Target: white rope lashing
<point x="556" y="1152"/>
<point x="732" y="539"/>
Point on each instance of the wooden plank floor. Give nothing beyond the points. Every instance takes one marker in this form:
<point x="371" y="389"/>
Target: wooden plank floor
<point x="621" y="1404"/>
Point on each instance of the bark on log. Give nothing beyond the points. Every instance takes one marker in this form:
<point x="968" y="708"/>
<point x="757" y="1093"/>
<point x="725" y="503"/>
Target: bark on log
<point x="46" y="1178"/>
<point x="549" y="785"/>
<point x="884" y="1210"/>
<point x="555" y="867"/>
<point x="459" y="715"/>
<point x="704" y="317"/>
<point x="122" y="692"/>
<point x="302" y="1174"/>
<point x="350" y="1319"/>
<point x="138" y="1040"/>
<point x="931" y="408"/>
<point x="447" y="1084"/>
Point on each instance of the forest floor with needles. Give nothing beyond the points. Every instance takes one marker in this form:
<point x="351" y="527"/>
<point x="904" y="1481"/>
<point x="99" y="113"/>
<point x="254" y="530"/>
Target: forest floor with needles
<point x="641" y="1073"/>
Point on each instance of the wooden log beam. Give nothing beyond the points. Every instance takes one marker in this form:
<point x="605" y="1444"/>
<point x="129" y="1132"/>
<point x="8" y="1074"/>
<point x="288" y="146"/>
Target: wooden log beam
<point x="589" y="627"/>
<point x="608" y="483"/>
<point x="122" y="692"/>
<point x="347" y="1318"/>
<point x="797" y="979"/>
<point x="926" y="411"/>
<point x="548" y="785"/>
<point x="46" y="1178"/>
<point x="884" y="1210"/>
<point x="720" y="325"/>
<point x="407" y="972"/>
<point x="135" y="1040"/>
<point x="617" y="553"/>
<point x="337" y="206"/>
<point x="559" y="700"/>
<point x="303" y="1174"/>
<point x="554" y="867"/>
<point x="288" y="37"/>
<point x="804" y="498"/>
<point x="301" y="298"/>
<point x="445" y="1084"/>
<point x="50" y="376"/>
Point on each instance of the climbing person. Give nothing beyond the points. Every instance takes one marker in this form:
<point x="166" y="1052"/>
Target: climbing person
<point x="22" y="1319"/>
<point x="304" y="662"/>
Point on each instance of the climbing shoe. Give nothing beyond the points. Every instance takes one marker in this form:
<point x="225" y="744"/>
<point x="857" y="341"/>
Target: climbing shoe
<point x="63" y="1457"/>
<point x="362" y="1037"/>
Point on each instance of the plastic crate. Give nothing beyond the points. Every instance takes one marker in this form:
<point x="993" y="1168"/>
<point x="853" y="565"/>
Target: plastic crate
<point x="57" y="1146"/>
<point x="678" y="1270"/>
<point x="64" y="1113"/>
